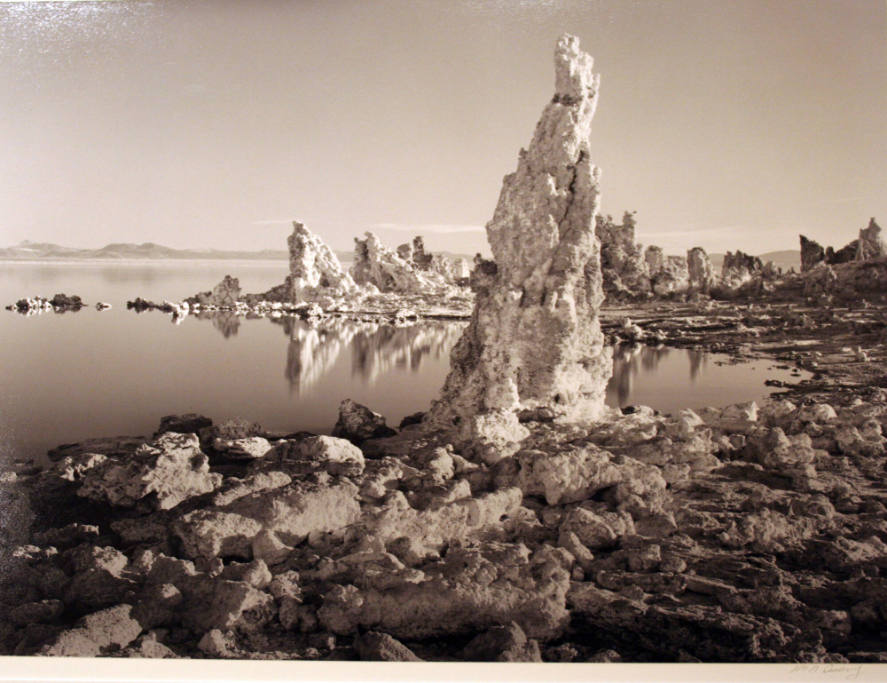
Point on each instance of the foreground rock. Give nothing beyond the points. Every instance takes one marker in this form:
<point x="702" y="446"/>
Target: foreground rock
<point x="749" y="533"/>
<point x="165" y="472"/>
<point x="534" y="341"/>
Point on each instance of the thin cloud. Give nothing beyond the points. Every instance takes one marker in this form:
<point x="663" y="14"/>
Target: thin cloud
<point x="841" y="200"/>
<point x="440" y="228"/>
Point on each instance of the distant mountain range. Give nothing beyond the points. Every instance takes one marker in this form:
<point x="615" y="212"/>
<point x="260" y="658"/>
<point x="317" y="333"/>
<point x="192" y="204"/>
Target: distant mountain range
<point x="30" y="251"/>
<point x="38" y="251"/>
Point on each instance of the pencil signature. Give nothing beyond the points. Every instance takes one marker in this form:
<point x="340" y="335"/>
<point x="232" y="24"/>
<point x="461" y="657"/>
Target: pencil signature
<point x="845" y="671"/>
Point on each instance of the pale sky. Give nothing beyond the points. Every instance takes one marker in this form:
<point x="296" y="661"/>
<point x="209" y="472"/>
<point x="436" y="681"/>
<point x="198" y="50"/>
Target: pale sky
<point x="727" y="125"/>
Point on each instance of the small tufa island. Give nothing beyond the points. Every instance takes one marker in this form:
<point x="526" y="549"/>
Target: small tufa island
<point x="518" y="519"/>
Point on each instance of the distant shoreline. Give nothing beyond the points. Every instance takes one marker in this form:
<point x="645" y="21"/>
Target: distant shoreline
<point x="141" y="261"/>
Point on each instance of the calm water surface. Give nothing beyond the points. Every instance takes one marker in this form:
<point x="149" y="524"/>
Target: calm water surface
<point x="79" y="375"/>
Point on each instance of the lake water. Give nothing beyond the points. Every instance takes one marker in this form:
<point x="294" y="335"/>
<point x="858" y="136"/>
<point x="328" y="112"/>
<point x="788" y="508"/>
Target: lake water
<point x="78" y="375"/>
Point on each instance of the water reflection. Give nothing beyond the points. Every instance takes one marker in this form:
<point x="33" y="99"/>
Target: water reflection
<point x="316" y="345"/>
<point x="630" y="361"/>
<point x="329" y="350"/>
<point x="375" y="352"/>
<point x="698" y="362"/>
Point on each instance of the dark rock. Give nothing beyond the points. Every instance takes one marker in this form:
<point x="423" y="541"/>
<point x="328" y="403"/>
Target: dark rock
<point x="357" y="423"/>
<point x="413" y="419"/>
<point x="189" y="423"/>
<point x="97" y="634"/>
<point x="503" y="644"/>
<point x="374" y="646"/>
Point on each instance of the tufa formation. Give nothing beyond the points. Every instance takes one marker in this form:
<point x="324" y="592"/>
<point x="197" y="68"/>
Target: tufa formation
<point x="534" y="341"/>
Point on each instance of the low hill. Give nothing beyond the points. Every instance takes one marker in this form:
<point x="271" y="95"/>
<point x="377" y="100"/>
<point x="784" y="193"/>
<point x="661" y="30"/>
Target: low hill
<point x="34" y="251"/>
<point x="40" y="251"/>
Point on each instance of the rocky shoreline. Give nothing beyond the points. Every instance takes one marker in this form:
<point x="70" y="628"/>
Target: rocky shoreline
<point x="749" y="533"/>
<point x="518" y="519"/>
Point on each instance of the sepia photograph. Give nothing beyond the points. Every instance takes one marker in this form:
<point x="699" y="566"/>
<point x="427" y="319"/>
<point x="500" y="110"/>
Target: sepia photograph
<point x="379" y="340"/>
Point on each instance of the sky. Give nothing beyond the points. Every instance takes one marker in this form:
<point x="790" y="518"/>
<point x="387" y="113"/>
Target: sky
<point x="724" y="124"/>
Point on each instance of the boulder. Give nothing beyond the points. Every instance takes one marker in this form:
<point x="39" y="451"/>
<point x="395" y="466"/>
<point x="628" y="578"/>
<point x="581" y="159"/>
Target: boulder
<point x="189" y="423"/>
<point x="96" y="634"/>
<point x="226" y="293"/>
<point x="245" y="448"/>
<point x="473" y="589"/>
<point x="291" y="513"/>
<point x="169" y="470"/>
<point x="374" y="646"/>
<point x="502" y="644"/>
<point x="672" y="278"/>
<point x="357" y="423"/>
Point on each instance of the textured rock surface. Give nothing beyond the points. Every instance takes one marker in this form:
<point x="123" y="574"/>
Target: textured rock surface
<point x="96" y="634"/>
<point x="739" y="268"/>
<point x="226" y="293"/>
<point x="672" y="278"/>
<point x="626" y="274"/>
<point x="291" y="513"/>
<point x="534" y="337"/>
<point x="377" y="265"/>
<point x="380" y="647"/>
<point x="811" y="253"/>
<point x="357" y="423"/>
<point x="699" y="271"/>
<point x="493" y="585"/>
<point x="872" y="243"/>
<point x="169" y="470"/>
<point x="314" y="268"/>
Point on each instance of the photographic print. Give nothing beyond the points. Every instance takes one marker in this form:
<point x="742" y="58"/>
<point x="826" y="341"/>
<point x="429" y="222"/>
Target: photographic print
<point x="457" y="331"/>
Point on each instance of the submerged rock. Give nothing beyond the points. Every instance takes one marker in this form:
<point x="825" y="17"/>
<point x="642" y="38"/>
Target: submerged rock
<point x="534" y="337"/>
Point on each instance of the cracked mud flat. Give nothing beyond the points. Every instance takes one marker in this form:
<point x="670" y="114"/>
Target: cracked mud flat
<point x="752" y="533"/>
